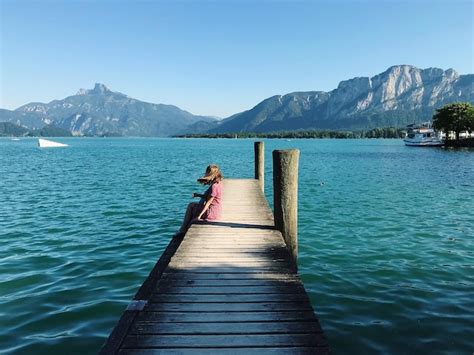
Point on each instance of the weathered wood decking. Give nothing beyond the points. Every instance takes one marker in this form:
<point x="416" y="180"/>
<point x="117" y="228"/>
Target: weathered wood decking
<point x="226" y="287"/>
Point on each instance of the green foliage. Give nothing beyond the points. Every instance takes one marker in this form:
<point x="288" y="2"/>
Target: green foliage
<point x="8" y="129"/>
<point x="389" y="132"/>
<point x="50" y="131"/>
<point x="456" y="117"/>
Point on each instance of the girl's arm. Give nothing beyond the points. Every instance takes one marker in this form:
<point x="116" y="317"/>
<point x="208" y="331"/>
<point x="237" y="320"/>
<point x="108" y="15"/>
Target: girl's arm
<point x="206" y="207"/>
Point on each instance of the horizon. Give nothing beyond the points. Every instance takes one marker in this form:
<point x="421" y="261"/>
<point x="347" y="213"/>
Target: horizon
<point x="221" y="68"/>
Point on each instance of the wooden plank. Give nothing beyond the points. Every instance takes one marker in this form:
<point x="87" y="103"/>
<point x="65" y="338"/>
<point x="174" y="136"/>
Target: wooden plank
<point x="244" y="340"/>
<point x="234" y="238"/>
<point x="228" y="269"/>
<point x="243" y="249"/>
<point x="234" y="249"/>
<point x="230" y="244"/>
<point x="235" y="290"/>
<point x="216" y="263"/>
<point x="243" y="244"/>
<point x="255" y="230"/>
<point x="231" y="237"/>
<point x="233" y="351"/>
<point x="226" y="328"/>
<point x="228" y="307"/>
<point x="217" y="251"/>
<point x="229" y="276"/>
<point x="237" y="248"/>
<point x="215" y="267"/>
<point x="228" y="253"/>
<point x="217" y="257"/>
<point x="274" y="242"/>
<point x="225" y="316"/>
<point x="223" y="252"/>
<point x="225" y="244"/>
<point x="255" y="226"/>
<point x="235" y="260"/>
<point x="223" y="226"/>
<point x="194" y="298"/>
<point x="220" y="283"/>
<point x="230" y="232"/>
<point x="236" y="257"/>
<point x="233" y="257"/>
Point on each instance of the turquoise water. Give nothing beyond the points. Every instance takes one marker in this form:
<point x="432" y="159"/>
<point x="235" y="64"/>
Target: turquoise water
<point x="386" y="237"/>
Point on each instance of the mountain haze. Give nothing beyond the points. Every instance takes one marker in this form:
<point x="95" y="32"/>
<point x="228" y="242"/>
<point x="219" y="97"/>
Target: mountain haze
<point x="100" y="111"/>
<point x="401" y="95"/>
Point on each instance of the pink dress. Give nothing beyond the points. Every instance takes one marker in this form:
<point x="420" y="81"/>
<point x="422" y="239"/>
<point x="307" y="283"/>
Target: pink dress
<point x="215" y="209"/>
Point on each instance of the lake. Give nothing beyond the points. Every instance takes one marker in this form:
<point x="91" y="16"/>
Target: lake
<point x="386" y="236"/>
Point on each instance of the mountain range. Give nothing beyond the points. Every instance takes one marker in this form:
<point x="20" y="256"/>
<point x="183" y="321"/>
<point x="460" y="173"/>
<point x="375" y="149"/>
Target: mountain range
<point x="100" y="111"/>
<point x="400" y="95"/>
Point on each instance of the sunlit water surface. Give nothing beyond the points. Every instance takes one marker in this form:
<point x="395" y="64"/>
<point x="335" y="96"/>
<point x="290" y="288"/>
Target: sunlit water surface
<point x="386" y="237"/>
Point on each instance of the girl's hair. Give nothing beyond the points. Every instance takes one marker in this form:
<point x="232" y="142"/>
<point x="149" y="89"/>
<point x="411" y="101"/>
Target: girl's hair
<point x="213" y="174"/>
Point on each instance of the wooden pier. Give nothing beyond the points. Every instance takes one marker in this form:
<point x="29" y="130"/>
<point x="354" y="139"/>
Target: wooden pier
<point x="226" y="287"/>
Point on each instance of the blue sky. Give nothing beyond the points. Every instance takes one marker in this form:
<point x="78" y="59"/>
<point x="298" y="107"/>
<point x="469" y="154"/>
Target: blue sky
<point x="220" y="57"/>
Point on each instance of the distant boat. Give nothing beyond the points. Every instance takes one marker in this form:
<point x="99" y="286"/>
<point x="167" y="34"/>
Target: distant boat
<point x="15" y="139"/>
<point x="44" y="143"/>
<point x="422" y="136"/>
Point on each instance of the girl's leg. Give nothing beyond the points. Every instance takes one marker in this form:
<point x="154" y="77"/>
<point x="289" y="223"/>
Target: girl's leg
<point x="188" y="216"/>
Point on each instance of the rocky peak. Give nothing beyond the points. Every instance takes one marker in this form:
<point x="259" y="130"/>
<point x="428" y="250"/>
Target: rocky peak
<point x="82" y="92"/>
<point x="451" y="74"/>
<point x="395" y="81"/>
<point x="431" y="74"/>
<point x="99" y="89"/>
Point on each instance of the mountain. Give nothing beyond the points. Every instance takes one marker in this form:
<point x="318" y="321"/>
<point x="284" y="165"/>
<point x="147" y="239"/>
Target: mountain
<point x="401" y="95"/>
<point x="100" y="111"/>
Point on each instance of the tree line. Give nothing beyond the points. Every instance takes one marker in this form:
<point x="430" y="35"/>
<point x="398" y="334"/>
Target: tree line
<point x="387" y="132"/>
<point x="8" y="129"/>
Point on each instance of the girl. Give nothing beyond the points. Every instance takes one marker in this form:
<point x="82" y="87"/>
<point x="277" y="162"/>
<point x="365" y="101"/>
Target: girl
<point x="209" y="208"/>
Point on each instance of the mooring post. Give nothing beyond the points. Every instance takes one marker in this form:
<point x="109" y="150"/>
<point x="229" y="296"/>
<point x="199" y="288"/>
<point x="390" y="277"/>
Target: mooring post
<point x="259" y="149"/>
<point x="285" y="197"/>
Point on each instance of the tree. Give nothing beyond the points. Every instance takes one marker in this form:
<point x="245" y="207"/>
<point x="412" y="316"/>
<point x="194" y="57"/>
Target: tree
<point x="456" y="117"/>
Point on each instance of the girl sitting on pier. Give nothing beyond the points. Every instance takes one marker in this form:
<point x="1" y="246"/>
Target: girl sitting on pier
<point x="209" y="207"/>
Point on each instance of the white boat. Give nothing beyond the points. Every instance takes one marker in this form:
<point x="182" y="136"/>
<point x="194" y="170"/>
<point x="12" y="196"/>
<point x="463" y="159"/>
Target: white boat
<point x="44" y="143"/>
<point x="422" y="136"/>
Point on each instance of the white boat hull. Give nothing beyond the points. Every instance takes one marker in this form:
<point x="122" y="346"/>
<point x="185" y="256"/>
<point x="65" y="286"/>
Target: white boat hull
<point x="44" y="143"/>
<point x="423" y="143"/>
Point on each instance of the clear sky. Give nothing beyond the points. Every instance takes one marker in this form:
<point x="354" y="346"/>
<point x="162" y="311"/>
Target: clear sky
<point x="220" y="57"/>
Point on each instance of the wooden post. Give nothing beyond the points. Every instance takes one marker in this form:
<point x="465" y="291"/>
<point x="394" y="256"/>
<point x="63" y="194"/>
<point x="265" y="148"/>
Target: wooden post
<point x="285" y="197"/>
<point x="259" y="149"/>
